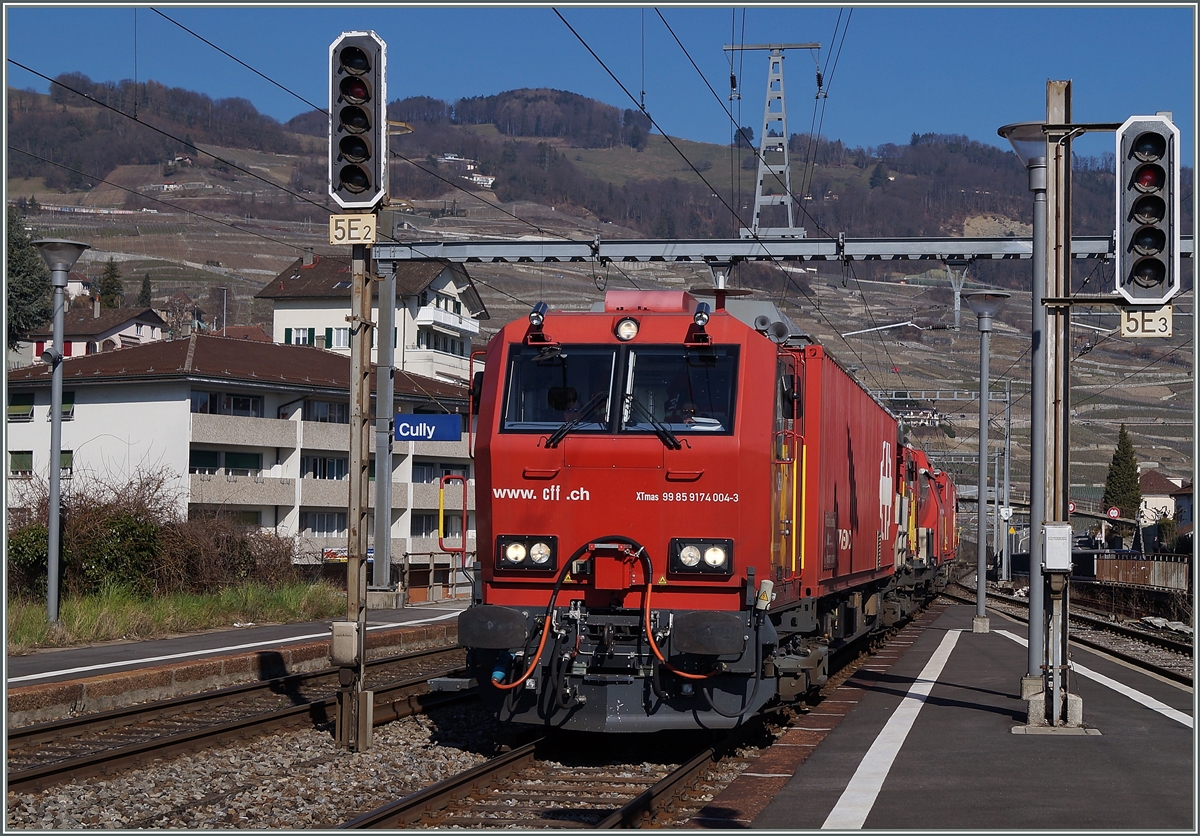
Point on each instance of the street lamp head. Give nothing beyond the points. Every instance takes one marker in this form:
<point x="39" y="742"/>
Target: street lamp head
<point x="986" y="303"/>
<point x="60" y="254"/>
<point x="1028" y="140"/>
<point x="52" y="356"/>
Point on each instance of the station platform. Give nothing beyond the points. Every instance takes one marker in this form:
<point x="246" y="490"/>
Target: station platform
<point x="62" y="664"/>
<point x="935" y="738"/>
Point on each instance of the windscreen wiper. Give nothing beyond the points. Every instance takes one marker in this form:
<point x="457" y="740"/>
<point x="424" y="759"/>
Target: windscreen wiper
<point x="585" y="413"/>
<point x="668" y="437"/>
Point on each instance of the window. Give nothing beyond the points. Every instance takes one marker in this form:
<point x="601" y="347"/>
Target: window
<point x="426" y="472"/>
<point x="323" y="467"/>
<point x="204" y="461"/>
<point x="20" y="406"/>
<point x="300" y="336"/>
<point x="67" y="462"/>
<point x="325" y="412"/>
<point x="546" y="388"/>
<point x="323" y="523"/>
<point x="20" y="463"/>
<point x="243" y="464"/>
<point x="341" y="338"/>
<point x="224" y="403"/>
<point x="68" y="406"/>
<point x="425" y="525"/>
<point x="138" y="329"/>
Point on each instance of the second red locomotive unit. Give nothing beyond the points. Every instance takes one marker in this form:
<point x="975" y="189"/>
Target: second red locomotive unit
<point x="684" y="507"/>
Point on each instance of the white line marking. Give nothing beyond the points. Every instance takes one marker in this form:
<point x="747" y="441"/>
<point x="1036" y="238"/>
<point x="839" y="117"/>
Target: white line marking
<point x="168" y="657"/>
<point x="859" y="796"/>
<point x="1133" y="694"/>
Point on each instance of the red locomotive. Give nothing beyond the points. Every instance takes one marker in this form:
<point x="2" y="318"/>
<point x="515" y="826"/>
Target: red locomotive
<point x="683" y="508"/>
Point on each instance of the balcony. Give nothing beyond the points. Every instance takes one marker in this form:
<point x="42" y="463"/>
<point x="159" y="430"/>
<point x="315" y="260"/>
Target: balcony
<point x="425" y="496"/>
<point x="430" y="315"/>
<point x="221" y="489"/>
<point x="240" y="430"/>
<point x="335" y="493"/>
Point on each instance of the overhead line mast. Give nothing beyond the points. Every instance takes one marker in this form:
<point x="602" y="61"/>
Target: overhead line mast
<point x="774" y="141"/>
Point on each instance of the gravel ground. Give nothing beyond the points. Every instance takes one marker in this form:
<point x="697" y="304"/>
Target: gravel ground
<point x="290" y="780"/>
<point x="1151" y="653"/>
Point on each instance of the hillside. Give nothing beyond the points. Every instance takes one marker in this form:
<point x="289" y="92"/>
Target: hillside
<point x="226" y="206"/>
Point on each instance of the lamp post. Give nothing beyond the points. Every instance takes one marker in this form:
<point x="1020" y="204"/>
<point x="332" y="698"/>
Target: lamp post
<point x="1029" y="142"/>
<point x="985" y="304"/>
<point x="60" y="256"/>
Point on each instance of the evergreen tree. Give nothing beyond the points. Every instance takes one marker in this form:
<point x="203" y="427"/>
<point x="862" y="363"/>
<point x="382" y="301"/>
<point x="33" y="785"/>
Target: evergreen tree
<point x="110" y="287"/>
<point x="27" y="281"/>
<point x="146" y="297"/>
<point x="1121" y="487"/>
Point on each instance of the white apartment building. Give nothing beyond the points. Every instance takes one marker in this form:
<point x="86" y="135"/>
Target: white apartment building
<point x="438" y="312"/>
<point x="252" y="429"/>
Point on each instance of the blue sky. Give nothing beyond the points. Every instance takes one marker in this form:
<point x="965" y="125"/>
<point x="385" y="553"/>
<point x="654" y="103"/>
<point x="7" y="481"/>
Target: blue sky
<point x="889" y="71"/>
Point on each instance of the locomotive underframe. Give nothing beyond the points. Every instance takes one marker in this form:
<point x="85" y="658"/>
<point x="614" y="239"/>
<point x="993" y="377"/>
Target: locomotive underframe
<point x="599" y="671"/>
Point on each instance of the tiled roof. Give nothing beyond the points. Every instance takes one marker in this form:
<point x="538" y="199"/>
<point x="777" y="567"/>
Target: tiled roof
<point x="328" y="277"/>
<point x="1153" y="483"/>
<point x="1186" y="490"/>
<point x="203" y="356"/>
<point x="246" y="332"/>
<point x="81" y="322"/>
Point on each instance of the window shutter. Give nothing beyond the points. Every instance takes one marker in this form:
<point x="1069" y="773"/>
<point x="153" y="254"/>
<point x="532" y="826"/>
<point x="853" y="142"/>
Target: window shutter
<point x="287" y="335"/>
<point x="312" y="336"/>
<point x="328" y="338"/>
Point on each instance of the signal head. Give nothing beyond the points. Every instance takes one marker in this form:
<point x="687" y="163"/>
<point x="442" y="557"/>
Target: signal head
<point x="357" y="175"/>
<point x="1147" y="202"/>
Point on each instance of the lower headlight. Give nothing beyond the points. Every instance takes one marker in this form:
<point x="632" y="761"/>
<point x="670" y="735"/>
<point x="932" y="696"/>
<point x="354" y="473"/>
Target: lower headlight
<point x="515" y="553"/>
<point x="715" y="556"/>
<point x="689" y="556"/>
<point x="539" y="553"/>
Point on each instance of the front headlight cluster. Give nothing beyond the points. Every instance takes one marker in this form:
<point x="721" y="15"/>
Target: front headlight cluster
<point x="534" y="553"/>
<point x="702" y="556"/>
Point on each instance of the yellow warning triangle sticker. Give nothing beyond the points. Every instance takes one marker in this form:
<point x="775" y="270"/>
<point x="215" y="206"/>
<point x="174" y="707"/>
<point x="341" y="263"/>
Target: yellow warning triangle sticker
<point x="568" y="578"/>
<point x="662" y="581"/>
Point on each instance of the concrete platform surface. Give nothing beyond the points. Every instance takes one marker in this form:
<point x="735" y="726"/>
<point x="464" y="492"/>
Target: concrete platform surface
<point x="59" y="665"/>
<point x="930" y="744"/>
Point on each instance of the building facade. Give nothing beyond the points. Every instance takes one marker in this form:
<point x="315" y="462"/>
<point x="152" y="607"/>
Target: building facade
<point x="437" y="312"/>
<point x="253" y="430"/>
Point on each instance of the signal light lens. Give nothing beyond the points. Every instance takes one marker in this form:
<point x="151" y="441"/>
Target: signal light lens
<point x="354" y="149"/>
<point x="1149" y="146"/>
<point x="355" y="119"/>
<point x="1150" y="209"/>
<point x="1149" y="272"/>
<point x="539" y="553"/>
<point x="354" y="179"/>
<point x="354" y="89"/>
<point x="354" y="60"/>
<point x="1149" y="178"/>
<point x="1150" y="240"/>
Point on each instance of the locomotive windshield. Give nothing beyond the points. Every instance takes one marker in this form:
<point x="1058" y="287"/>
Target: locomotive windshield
<point x="549" y="386"/>
<point x="574" y="388"/>
<point x="683" y="389"/>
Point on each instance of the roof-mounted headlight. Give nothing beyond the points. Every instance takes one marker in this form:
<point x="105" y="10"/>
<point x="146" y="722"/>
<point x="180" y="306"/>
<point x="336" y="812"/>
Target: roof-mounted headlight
<point x="700" y="317"/>
<point x="627" y="329"/>
<point x="538" y="315"/>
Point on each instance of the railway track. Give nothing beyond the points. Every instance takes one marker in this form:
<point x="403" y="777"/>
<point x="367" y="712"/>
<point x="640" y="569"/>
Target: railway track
<point x="45" y="754"/>
<point x="1096" y="628"/>
<point x="540" y="785"/>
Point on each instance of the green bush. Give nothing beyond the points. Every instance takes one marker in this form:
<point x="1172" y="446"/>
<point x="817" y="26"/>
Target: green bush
<point x="28" y="549"/>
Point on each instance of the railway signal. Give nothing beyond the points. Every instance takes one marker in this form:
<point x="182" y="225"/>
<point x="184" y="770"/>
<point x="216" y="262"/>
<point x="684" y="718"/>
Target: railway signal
<point x="358" y="120"/>
<point x="1147" y="245"/>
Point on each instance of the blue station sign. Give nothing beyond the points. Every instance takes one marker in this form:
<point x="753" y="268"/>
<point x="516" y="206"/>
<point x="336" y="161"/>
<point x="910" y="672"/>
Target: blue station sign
<point x="428" y="427"/>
